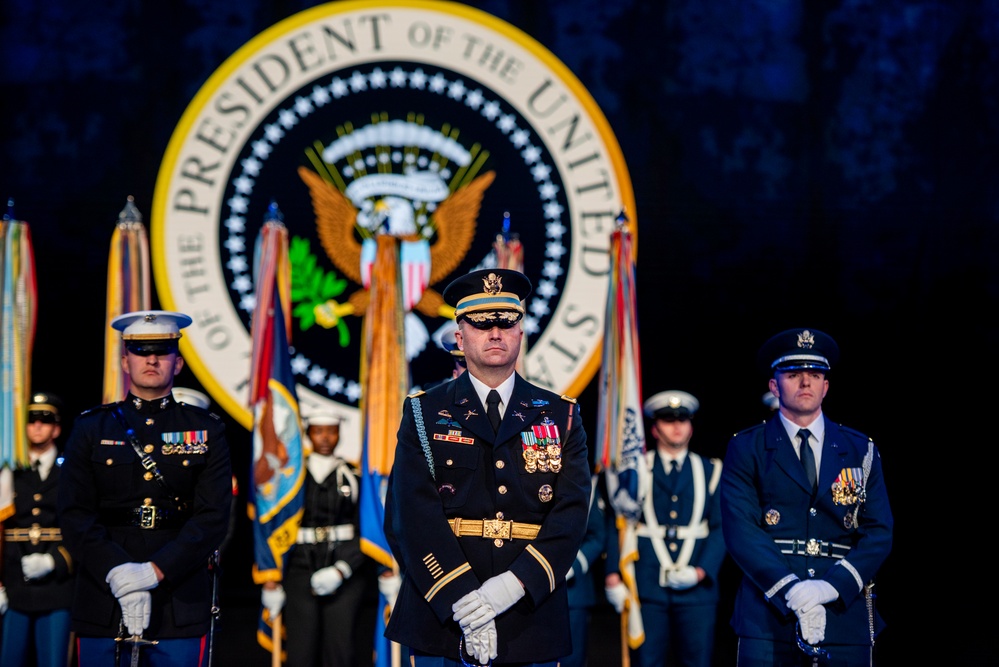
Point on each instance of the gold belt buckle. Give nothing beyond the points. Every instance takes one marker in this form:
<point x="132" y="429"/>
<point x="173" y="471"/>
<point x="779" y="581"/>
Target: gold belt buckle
<point x="494" y="528"/>
<point x="812" y="547"/>
<point x="147" y="516"/>
<point x="321" y="533"/>
<point x="35" y="533"/>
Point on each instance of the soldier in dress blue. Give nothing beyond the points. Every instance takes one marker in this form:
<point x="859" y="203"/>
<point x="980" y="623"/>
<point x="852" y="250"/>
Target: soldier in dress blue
<point x="488" y="497"/>
<point x="579" y="580"/>
<point x="144" y="502"/>
<point x="37" y="569"/>
<point x="806" y="518"/>
<point x="680" y="541"/>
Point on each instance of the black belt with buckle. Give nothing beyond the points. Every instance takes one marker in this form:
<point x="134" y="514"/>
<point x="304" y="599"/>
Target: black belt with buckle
<point x="813" y="547"/>
<point x="147" y="517"/>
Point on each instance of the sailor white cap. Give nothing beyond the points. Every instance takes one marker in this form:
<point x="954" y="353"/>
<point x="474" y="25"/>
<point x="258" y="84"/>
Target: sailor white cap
<point x="672" y="404"/>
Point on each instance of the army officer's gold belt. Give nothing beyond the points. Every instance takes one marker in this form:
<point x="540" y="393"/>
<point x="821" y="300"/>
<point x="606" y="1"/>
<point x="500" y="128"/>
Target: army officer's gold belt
<point x="494" y="529"/>
<point x="35" y="534"/>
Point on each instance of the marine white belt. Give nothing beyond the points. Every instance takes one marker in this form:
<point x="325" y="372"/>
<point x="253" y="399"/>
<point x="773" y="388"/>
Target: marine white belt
<point x="321" y="534"/>
<point x="696" y="532"/>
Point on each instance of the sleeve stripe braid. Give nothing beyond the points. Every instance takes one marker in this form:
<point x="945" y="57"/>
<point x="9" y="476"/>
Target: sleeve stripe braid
<point x="447" y="579"/>
<point x="545" y="565"/>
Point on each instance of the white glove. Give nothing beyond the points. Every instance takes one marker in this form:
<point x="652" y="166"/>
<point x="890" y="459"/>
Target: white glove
<point x="3" y="600"/>
<point x="813" y="624"/>
<point x="131" y="577"/>
<point x="805" y="595"/>
<point x="682" y="578"/>
<point x="135" y="610"/>
<point x="273" y="599"/>
<point x="617" y="595"/>
<point x="493" y="597"/>
<point x="481" y="643"/>
<point x="326" y="581"/>
<point x="389" y="587"/>
<point x="626" y="505"/>
<point x="36" y="566"/>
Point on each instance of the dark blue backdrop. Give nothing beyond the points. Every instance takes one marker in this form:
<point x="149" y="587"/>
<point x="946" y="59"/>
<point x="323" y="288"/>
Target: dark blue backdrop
<point x="827" y="164"/>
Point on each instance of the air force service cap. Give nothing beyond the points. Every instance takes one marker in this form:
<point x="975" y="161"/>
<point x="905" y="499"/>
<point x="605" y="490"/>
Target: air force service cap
<point x="671" y="405"/>
<point x="489" y="297"/>
<point x="44" y="407"/>
<point x="799" y="349"/>
<point x="151" y="331"/>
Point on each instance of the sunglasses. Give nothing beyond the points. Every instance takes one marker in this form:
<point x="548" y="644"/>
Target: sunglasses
<point x="486" y="321"/>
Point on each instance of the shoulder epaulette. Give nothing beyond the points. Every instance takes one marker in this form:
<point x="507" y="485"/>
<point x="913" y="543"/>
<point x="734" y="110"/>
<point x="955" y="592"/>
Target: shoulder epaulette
<point x="751" y="428"/>
<point x="106" y="406"/>
<point x="570" y="399"/>
<point x="855" y="432"/>
<point x="415" y="394"/>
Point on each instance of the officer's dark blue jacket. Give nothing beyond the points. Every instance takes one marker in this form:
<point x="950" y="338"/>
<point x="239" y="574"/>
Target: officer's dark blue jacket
<point x="469" y="473"/>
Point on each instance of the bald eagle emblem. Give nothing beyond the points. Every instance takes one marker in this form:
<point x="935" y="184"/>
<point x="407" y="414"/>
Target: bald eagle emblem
<point x="406" y="180"/>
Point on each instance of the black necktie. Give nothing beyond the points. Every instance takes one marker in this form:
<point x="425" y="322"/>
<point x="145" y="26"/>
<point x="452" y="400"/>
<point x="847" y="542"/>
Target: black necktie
<point x="492" y="409"/>
<point x="672" y="467"/>
<point x="807" y="456"/>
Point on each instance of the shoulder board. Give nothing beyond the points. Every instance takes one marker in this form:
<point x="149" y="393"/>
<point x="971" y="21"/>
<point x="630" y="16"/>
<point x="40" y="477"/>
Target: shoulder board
<point x="855" y="433"/>
<point x="106" y="406"/>
<point x="570" y="399"/>
<point x="415" y="394"/>
<point x="750" y="429"/>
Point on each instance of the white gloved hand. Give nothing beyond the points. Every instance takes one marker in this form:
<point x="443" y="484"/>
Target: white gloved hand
<point x="3" y="600"/>
<point x="493" y="597"/>
<point x="273" y="599"/>
<point x="36" y="566"/>
<point x="135" y="609"/>
<point x="326" y="580"/>
<point x="682" y="578"/>
<point x="389" y="585"/>
<point x="617" y="595"/>
<point x="813" y="624"/>
<point x="131" y="577"/>
<point x="626" y="505"/>
<point x="805" y="595"/>
<point x="481" y="643"/>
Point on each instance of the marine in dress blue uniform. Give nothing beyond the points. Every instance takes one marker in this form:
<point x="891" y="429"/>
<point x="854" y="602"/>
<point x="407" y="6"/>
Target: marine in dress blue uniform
<point x="142" y="524"/>
<point x="487" y="522"/>
<point x="809" y="554"/>
<point x="37" y="569"/>
<point x="680" y="541"/>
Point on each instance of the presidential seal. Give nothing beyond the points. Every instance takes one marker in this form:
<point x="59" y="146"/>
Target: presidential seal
<point x="432" y="123"/>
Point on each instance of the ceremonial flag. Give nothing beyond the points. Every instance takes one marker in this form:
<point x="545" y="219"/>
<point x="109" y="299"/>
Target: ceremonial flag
<point x="510" y="255"/>
<point x="384" y="383"/>
<point x="128" y="290"/>
<point x="18" y="304"/>
<point x="620" y="431"/>
<point x="276" y="495"/>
